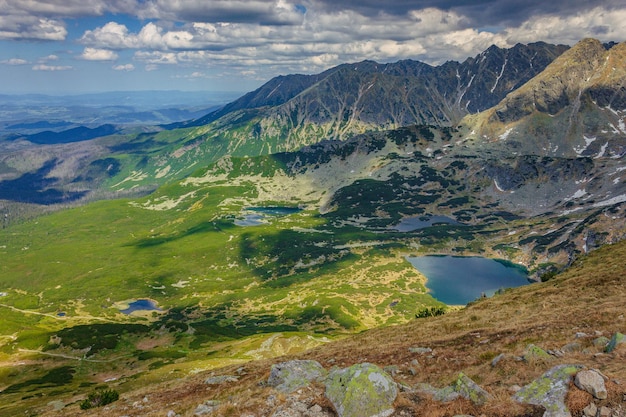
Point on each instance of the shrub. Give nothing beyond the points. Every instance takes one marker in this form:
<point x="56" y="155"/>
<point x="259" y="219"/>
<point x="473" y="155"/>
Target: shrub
<point x="99" y="398"/>
<point x="430" y="312"/>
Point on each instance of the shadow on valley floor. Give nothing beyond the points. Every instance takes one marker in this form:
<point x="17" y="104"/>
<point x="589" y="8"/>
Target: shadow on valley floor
<point x="36" y="188"/>
<point x="218" y="225"/>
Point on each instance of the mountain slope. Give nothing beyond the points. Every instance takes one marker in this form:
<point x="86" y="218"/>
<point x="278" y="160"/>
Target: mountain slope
<point x="285" y="114"/>
<point x="367" y="95"/>
<point x="565" y="316"/>
<point x="573" y="108"/>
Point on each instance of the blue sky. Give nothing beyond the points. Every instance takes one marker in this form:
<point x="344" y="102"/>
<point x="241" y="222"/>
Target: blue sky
<point x="75" y="46"/>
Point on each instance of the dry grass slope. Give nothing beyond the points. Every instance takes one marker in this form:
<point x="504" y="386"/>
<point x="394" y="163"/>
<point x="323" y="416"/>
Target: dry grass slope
<point x="587" y="298"/>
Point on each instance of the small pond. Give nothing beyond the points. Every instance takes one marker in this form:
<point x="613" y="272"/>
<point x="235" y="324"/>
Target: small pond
<point x="255" y="216"/>
<point x="457" y="280"/>
<point x="410" y="224"/>
<point x="142" y="304"/>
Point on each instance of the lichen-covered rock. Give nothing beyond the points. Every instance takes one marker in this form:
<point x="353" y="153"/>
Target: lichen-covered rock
<point x="207" y="408"/>
<point x="549" y="390"/>
<point x="617" y="339"/>
<point x="362" y="390"/>
<point x="470" y="390"/>
<point x="592" y="382"/>
<point x="289" y="376"/>
<point x="462" y="387"/>
<point x="446" y="394"/>
<point x="601" y="341"/>
<point x="534" y="352"/>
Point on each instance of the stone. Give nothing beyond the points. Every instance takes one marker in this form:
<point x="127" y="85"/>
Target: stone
<point x="446" y="394"/>
<point x="572" y="347"/>
<point x="470" y="390"/>
<point x="617" y="339"/>
<point x="590" y="411"/>
<point x="591" y="382"/>
<point x="549" y="390"/>
<point x="534" y="352"/>
<point x="462" y="387"/>
<point x="601" y="341"/>
<point x="206" y="408"/>
<point x="497" y="359"/>
<point x="604" y="412"/>
<point x="292" y="375"/>
<point x="362" y="390"/>
<point x="391" y="369"/>
<point x="221" y="379"/>
<point x="420" y="350"/>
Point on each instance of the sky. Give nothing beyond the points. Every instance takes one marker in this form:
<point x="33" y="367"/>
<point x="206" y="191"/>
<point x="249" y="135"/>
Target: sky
<point x="79" y="46"/>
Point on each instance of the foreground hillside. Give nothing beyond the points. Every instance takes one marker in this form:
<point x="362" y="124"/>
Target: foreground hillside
<point x="565" y="316"/>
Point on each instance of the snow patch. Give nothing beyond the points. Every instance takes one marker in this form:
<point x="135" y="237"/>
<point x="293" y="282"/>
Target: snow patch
<point x="495" y="184"/>
<point x="577" y="194"/>
<point x="506" y="134"/>
<point x="602" y="151"/>
<point x="499" y="76"/>
<point x="611" y="201"/>
<point x="581" y="149"/>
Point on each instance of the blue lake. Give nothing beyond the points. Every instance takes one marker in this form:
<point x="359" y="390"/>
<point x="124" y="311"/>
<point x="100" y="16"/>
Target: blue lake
<point x="457" y="280"/>
<point x="410" y="224"/>
<point x="140" y="305"/>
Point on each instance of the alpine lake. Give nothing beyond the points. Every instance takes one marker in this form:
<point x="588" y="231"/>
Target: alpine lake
<point x="457" y="280"/>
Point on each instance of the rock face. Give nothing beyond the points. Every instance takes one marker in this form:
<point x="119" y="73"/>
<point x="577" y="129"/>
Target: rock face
<point x="289" y="376"/>
<point x="549" y="390"/>
<point x="592" y="382"/>
<point x="362" y="390"/>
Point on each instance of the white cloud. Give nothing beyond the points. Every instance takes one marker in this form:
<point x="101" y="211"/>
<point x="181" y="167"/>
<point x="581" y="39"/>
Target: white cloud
<point x="277" y="12"/>
<point x="48" y="58"/>
<point x="259" y="39"/>
<point x="44" y="67"/>
<point x="112" y="35"/>
<point x="124" y="67"/>
<point x="14" y="61"/>
<point x="31" y="28"/>
<point x="595" y="23"/>
<point x="156" y="57"/>
<point x="93" y="54"/>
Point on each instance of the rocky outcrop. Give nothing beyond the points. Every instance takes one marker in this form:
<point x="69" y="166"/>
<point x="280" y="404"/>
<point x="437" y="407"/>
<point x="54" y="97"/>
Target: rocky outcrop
<point x="549" y="390"/>
<point x="362" y="390"/>
<point x="289" y="376"/>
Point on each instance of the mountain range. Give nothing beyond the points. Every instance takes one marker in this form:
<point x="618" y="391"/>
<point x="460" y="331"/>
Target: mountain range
<point x="277" y="220"/>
